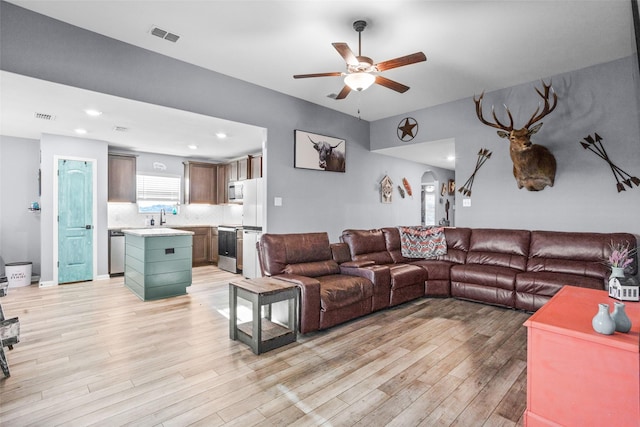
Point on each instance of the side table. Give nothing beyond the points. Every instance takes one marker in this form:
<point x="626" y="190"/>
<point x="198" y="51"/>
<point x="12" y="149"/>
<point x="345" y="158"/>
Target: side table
<point x="575" y="376"/>
<point x="261" y="334"/>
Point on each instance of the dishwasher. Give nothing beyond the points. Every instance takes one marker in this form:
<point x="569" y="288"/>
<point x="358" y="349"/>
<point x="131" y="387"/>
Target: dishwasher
<point x="227" y="248"/>
<point x="116" y="253"/>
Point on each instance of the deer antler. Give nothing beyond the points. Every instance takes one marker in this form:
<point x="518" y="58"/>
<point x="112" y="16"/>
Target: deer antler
<point x="497" y="123"/>
<point x="547" y="108"/>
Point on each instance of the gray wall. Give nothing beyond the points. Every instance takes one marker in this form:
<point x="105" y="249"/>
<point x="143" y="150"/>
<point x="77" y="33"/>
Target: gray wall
<point x="19" y="228"/>
<point x="602" y="99"/>
<point x="311" y="200"/>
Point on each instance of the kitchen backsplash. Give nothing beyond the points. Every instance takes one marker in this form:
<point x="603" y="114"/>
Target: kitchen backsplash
<point x="125" y="215"/>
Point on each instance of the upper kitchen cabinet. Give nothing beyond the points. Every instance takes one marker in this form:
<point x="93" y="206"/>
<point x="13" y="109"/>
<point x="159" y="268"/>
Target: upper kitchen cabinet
<point x="122" y="178"/>
<point x="255" y="167"/>
<point x="223" y="189"/>
<point x="232" y="171"/>
<point x="244" y="168"/>
<point x="200" y="182"/>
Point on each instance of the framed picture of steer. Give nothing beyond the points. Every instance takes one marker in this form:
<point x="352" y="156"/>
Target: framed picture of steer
<point x="319" y="152"/>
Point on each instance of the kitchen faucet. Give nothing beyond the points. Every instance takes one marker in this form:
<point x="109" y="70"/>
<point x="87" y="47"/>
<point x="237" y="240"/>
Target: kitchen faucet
<point x="163" y="217"/>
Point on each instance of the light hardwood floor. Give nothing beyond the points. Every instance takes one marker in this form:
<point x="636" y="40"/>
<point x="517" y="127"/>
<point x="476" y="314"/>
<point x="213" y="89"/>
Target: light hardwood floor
<point x="93" y="353"/>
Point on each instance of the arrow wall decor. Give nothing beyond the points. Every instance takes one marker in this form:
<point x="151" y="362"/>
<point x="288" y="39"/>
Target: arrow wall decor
<point x="594" y="144"/>
<point x="483" y="156"/>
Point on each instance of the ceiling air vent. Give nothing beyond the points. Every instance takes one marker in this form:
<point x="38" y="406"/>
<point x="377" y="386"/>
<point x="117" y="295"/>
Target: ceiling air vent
<point x="164" y="34"/>
<point x="120" y="129"/>
<point x="44" y="116"/>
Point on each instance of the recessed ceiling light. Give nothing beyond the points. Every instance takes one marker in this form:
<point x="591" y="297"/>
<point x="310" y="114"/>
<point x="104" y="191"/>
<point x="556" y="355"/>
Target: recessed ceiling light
<point x="93" y="113"/>
<point x="80" y="131"/>
<point x="192" y="146"/>
<point x="221" y="135"/>
<point x="451" y="158"/>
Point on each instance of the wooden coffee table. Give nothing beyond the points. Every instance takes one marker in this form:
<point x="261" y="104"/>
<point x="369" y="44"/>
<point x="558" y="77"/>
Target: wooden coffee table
<point x="261" y="334"/>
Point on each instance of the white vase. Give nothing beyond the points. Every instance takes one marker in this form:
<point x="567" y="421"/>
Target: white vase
<point x="620" y="318"/>
<point x="602" y="322"/>
<point x="616" y="274"/>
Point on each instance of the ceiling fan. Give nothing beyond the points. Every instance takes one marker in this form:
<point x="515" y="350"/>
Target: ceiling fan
<point x="361" y="69"/>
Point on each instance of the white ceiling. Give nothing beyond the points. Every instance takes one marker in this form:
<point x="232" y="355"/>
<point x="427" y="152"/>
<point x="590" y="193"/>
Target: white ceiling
<point x="143" y="127"/>
<point x="470" y="46"/>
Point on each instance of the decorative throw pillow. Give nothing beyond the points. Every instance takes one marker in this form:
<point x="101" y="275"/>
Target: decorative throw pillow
<point x="422" y="242"/>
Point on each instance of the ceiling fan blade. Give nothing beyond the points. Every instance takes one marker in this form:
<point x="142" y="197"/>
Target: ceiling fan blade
<point x="344" y="92"/>
<point x="346" y="53"/>
<point x="304" y="76"/>
<point x="401" y="61"/>
<point x="398" y="87"/>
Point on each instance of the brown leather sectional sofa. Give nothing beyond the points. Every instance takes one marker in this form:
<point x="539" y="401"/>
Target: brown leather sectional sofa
<point x="366" y="272"/>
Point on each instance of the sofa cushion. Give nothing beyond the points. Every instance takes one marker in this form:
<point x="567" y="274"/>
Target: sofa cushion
<point x="313" y="269"/>
<point x="436" y="269"/>
<point x="340" y="290"/>
<point x="340" y="252"/>
<point x="547" y="284"/>
<point x="582" y="254"/>
<point x="403" y="275"/>
<point x="498" y="247"/>
<point x="394" y="247"/>
<point x="458" y="240"/>
<point x="490" y="276"/>
<point x="367" y="245"/>
<point x="534" y="289"/>
<point x="422" y="242"/>
<point x="277" y="251"/>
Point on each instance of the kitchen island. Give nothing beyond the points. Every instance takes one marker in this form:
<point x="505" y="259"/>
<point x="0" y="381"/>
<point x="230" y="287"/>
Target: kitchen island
<point x="157" y="262"/>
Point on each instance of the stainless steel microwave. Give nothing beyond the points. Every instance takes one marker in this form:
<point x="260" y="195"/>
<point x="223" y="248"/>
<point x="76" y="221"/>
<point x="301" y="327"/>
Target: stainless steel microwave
<point x="235" y="192"/>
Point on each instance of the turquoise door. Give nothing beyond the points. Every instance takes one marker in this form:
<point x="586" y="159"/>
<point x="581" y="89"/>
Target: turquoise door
<point x="75" y="216"/>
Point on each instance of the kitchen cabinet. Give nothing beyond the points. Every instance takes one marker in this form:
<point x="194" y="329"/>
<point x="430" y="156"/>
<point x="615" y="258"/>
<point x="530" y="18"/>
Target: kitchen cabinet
<point x="232" y="171"/>
<point x="222" y="181"/>
<point x="200" y="182"/>
<point x="255" y="167"/>
<point x="239" y="249"/>
<point x="157" y="262"/>
<point x="122" y="178"/>
<point x="213" y="251"/>
<point x="243" y="169"/>
<point x="201" y="245"/>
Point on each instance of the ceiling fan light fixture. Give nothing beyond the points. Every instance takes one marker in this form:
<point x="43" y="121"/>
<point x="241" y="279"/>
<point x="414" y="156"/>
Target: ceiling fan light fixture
<point x="359" y="81"/>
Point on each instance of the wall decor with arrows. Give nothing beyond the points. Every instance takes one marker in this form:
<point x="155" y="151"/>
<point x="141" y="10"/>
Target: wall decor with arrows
<point x="595" y="145"/>
<point x="483" y="156"/>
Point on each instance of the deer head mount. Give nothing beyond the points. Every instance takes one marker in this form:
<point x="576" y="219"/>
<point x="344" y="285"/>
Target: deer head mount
<point x="534" y="167"/>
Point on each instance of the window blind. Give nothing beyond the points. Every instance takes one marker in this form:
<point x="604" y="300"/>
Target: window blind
<point x="158" y="188"/>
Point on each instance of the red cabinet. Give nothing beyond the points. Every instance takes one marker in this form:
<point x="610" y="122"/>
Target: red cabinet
<point x="575" y="376"/>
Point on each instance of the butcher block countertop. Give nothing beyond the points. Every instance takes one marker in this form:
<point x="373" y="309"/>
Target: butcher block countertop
<point x="156" y="232"/>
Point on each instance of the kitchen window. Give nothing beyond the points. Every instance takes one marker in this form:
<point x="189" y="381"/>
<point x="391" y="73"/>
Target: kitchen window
<point x="156" y="192"/>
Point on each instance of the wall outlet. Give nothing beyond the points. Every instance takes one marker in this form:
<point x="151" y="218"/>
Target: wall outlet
<point x="466" y="203"/>
<point x="277" y="201"/>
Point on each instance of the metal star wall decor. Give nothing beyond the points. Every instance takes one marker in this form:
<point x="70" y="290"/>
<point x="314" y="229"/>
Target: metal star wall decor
<point x="483" y="156"/>
<point x="594" y="144"/>
<point x="407" y="129"/>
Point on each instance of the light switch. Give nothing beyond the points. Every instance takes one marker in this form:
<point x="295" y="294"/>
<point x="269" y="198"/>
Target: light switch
<point x="277" y="201"/>
<point x="466" y="203"/>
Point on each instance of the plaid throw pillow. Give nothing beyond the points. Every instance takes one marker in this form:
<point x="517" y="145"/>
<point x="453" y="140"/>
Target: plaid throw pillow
<point x="422" y="242"/>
